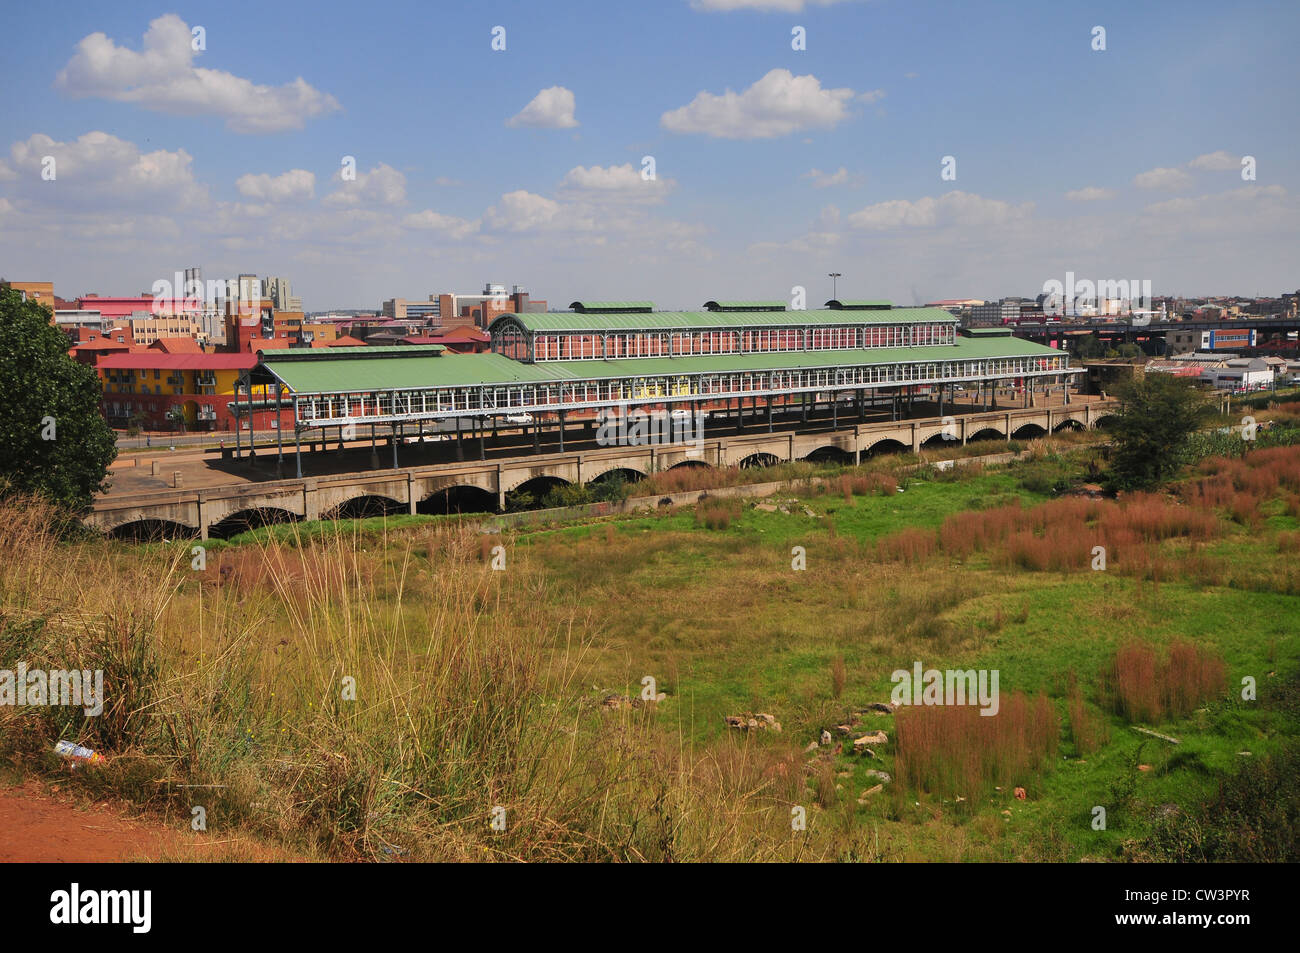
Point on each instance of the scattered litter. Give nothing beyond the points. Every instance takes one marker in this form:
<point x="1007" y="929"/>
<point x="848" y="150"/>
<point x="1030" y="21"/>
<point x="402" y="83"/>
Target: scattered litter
<point x="870" y="791"/>
<point x="1156" y="734"/>
<point x="749" y="721"/>
<point x="77" y="754"/>
<point x="885" y="708"/>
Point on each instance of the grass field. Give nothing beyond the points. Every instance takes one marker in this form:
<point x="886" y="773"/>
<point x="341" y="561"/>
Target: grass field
<point x="377" y="688"/>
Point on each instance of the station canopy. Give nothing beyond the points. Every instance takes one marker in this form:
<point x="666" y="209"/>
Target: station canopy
<point x="383" y="369"/>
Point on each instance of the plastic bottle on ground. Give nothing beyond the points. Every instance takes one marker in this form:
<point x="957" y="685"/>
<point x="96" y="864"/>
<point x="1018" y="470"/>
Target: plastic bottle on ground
<point x="77" y="753"/>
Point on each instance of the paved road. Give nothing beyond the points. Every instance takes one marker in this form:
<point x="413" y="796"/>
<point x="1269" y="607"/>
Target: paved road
<point x="163" y="441"/>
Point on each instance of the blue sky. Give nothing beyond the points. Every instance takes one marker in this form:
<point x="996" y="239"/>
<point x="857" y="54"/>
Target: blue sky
<point x="1122" y="163"/>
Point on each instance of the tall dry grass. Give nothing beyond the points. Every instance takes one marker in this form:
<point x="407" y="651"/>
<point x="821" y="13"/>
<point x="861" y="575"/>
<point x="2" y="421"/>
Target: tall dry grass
<point x="1140" y="685"/>
<point x="953" y="750"/>
<point x="367" y="696"/>
<point x="1059" y="535"/>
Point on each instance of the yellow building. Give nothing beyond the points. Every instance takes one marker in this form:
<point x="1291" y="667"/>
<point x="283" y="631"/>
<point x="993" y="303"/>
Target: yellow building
<point x="146" y="386"/>
<point x="42" y="292"/>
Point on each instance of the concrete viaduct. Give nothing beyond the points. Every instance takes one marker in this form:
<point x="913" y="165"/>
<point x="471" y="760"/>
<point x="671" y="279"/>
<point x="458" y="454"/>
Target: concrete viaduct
<point x="320" y="497"/>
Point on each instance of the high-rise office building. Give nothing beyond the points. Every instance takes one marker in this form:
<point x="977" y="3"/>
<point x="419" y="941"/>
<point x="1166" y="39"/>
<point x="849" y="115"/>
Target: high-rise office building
<point x="281" y="295"/>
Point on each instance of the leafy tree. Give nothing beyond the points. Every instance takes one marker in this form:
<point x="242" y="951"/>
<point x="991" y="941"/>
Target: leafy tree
<point x="519" y="500"/>
<point x="1158" y="414"/>
<point x="566" y="494"/>
<point x="177" y="416"/>
<point x="612" y="489"/>
<point x="1089" y="347"/>
<point x="53" y="440"/>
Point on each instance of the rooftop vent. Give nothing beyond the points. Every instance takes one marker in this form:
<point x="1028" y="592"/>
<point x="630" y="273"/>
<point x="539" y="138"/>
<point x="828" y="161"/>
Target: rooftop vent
<point x="613" y="307"/>
<point x="837" y="305"/>
<point x="744" y="305"/>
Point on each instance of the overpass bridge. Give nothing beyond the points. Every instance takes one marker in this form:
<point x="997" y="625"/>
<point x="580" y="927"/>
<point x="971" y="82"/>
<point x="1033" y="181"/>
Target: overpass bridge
<point x="198" y="511"/>
<point x="1271" y="332"/>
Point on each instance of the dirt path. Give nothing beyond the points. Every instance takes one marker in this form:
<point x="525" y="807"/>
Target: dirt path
<point x="41" y="824"/>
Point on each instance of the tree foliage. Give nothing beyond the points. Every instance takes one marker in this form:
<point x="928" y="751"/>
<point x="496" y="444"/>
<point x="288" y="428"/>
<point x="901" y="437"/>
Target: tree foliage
<point x="53" y="440"/>
<point x="1158" y="414"/>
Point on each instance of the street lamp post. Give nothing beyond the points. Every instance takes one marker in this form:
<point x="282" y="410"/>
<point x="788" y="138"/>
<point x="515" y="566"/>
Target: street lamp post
<point x="834" y="277"/>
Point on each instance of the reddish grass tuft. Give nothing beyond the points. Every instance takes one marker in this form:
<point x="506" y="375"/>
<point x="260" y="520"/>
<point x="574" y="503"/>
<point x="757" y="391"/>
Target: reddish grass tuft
<point x="953" y="749"/>
<point x="1142" y="687"/>
<point x="907" y="546"/>
<point x="717" y="513"/>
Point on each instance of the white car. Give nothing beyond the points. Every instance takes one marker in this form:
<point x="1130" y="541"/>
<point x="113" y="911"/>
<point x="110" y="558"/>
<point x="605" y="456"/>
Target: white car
<point x="522" y="420"/>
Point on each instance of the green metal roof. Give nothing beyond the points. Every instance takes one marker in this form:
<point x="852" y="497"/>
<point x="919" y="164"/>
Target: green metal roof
<point x="282" y="355"/>
<point x="400" y="372"/>
<point x="592" y="307"/>
<point x="986" y="332"/>
<point x="698" y="320"/>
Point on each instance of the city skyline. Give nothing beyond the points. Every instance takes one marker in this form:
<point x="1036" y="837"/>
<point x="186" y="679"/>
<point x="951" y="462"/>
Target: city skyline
<point x="772" y="166"/>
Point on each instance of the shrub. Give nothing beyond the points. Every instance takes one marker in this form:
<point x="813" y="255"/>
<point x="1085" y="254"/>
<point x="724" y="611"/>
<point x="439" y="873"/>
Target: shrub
<point x="716" y="512"/>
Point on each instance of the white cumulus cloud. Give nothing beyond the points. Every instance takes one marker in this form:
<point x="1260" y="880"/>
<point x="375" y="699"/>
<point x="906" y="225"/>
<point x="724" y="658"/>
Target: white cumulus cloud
<point x="951" y="208"/>
<point x="1219" y="161"/>
<point x="381" y="186"/>
<point x="162" y="77"/>
<point x="294" y="184"/>
<point x="1167" y="180"/>
<point x="615" y="183"/>
<point x="99" y="170"/>
<point x="1091" y="193"/>
<point x="552" y="108"/>
<point x="778" y="104"/>
<point x="826" y="180"/>
<point x="522" y="211"/>
<point x="431" y="221"/>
